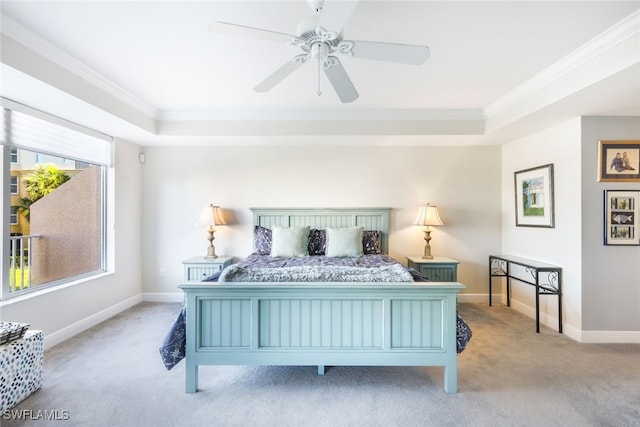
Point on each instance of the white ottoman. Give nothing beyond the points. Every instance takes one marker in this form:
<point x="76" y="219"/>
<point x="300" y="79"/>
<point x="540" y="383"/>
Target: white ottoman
<point x="21" y="368"/>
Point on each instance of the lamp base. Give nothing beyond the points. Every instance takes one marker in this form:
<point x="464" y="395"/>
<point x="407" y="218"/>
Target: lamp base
<point x="211" y="250"/>
<point x="427" y="246"/>
<point x="211" y="253"/>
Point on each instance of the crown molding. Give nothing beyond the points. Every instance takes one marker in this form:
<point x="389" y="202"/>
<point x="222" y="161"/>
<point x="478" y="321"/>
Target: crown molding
<point x="50" y="52"/>
<point x="320" y="115"/>
<point x="608" y="39"/>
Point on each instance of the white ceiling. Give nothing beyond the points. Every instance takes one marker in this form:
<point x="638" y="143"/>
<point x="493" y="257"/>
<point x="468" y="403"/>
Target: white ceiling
<point x="152" y="72"/>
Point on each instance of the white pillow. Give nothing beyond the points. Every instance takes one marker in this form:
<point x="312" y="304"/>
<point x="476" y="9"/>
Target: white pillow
<point x="344" y="242"/>
<point x="289" y="241"/>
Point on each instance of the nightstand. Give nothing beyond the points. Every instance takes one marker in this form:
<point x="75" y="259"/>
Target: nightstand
<point x="437" y="269"/>
<point x="198" y="268"/>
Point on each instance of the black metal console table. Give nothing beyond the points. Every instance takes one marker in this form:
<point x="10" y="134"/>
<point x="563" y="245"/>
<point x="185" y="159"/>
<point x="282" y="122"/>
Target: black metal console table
<point x="500" y="266"/>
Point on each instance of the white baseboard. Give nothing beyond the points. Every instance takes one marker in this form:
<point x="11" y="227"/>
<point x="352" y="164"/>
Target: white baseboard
<point x="617" y="337"/>
<point x="477" y="298"/>
<point x="587" y="337"/>
<point x="61" y="335"/>
<point x="163" y="297"/>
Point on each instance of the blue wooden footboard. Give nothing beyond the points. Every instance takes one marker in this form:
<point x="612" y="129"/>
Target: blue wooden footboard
<point x="322" y="324"/>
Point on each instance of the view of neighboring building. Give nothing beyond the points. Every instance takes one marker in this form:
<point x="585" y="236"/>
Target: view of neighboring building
<point x="23" y="163"/>
<point x="60" y="234"/>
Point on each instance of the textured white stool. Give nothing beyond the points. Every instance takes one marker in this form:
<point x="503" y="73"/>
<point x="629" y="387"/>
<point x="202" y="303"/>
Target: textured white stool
<point x="21" y="368"/>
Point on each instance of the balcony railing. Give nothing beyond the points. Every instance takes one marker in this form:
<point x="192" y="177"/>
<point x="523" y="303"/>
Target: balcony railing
<point x="20" y="262"/>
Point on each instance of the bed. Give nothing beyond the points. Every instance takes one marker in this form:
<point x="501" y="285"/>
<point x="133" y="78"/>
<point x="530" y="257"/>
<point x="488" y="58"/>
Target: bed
<point x="296" y="321"/>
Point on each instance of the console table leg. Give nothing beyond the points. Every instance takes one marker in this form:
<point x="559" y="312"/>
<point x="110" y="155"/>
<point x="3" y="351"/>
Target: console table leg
<point x="560" y="302"/>
<point x="537" y="307"/>
<point x="508" y="279"/>
<point x="490" y="280"/>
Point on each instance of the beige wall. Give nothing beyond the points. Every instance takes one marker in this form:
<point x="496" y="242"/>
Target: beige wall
<point x="463" y="181"/>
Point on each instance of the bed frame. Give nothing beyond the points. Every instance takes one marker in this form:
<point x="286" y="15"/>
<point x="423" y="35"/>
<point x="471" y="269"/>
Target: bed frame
<point x="322" y="324"/>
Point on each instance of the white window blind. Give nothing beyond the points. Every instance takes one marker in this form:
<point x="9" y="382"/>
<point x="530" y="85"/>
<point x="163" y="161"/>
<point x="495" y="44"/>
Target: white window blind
<point x="30" y="129"/>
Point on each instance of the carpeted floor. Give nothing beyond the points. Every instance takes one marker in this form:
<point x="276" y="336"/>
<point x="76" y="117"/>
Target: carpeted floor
<point x="112" y="375"/>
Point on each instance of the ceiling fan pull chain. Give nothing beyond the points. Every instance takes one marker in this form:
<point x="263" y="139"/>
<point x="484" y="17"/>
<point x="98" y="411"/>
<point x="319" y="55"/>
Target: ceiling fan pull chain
<point x="319" y="93"/>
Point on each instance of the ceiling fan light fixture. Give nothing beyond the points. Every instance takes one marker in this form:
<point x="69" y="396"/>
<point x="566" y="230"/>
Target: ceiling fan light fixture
<point x="319" y="51"/>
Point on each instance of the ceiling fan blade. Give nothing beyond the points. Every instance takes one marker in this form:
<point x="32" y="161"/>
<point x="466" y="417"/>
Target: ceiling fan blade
<point x="335" y="14"/>
<point x="393" y="52"/>
<point x="281" y="73"/>
<point x="340" y="80"/>
<point x="253" y="32"/>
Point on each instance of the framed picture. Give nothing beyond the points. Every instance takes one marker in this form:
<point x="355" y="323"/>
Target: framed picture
<point x="619" y="161"/>
<point x="621" y="217"/>
<point x="534" y="197"/>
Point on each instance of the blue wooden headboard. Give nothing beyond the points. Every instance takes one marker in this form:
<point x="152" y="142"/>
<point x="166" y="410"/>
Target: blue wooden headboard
<point x="369" y="218"/>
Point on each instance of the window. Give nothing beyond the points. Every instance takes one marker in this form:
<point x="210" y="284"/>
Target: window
<point x="14" y="185"/>
<point x="53" y="236"/>
<point x="14" y="215"/>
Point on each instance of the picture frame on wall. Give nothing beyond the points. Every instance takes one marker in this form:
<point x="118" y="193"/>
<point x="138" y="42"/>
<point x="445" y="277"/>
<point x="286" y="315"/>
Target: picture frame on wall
<point x="534" y="197"/>
<point x="621" y="209"/>
<point x="619" y="161"/>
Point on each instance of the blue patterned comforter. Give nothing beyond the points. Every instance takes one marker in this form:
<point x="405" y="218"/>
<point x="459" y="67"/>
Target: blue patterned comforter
<point x="366" y="268"/>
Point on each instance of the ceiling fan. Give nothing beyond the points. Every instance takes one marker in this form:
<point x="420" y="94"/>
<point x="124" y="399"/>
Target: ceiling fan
<point x="320" y="39"/>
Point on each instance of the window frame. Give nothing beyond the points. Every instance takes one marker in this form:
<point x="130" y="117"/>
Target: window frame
<point x="11" y="156"/>
<point x="13" y="213"/>
<point x="16" y="185"/>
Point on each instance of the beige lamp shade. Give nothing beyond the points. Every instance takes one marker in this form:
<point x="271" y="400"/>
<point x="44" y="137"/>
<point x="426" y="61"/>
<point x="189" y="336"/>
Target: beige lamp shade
<point x="211" y="216"/>
<point x="428" y="215"/>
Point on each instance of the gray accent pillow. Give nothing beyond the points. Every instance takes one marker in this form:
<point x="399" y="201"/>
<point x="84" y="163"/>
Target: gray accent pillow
<point x="289" y="242"/>
<point x="343" y="242"/>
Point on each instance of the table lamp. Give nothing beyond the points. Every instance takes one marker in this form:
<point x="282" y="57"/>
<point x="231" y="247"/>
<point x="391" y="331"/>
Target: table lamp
<point x="211" y="216"/>
<point x="427" y="217"/>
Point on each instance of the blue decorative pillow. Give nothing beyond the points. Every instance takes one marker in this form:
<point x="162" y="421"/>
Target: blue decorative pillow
<point x="173" y="347"/>
<point x="371" y="242"/>
<point x="262" y="240"/>
<point x="213" y="278"/>
<point x="463" y="334"/>
<point x="317" y="241"/>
